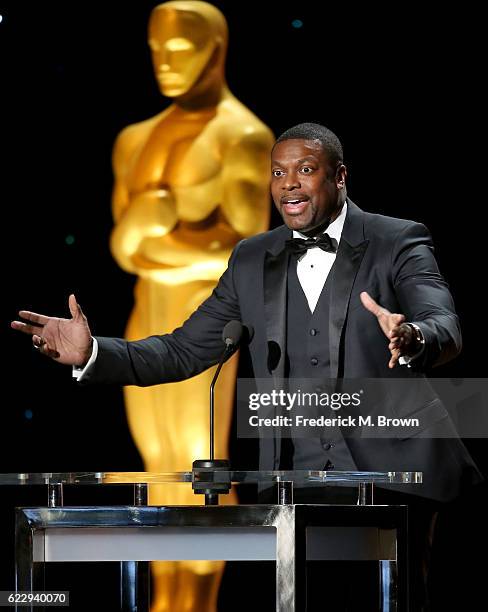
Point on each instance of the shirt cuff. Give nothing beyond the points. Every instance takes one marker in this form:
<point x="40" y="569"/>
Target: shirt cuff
<point x="78" y="372"/>
<point x="407" y="359"/>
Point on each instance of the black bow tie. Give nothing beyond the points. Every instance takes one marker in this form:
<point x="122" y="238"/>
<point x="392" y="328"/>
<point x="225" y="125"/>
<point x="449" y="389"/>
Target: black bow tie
<point x="298" y="246"/>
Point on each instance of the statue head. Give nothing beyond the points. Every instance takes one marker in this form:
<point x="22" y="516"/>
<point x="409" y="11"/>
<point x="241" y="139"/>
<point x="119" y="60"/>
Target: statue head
<point x="188" y="41"/>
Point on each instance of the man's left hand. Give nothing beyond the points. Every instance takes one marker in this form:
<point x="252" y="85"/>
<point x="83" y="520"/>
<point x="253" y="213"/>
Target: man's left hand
<point x="399" y="333"/>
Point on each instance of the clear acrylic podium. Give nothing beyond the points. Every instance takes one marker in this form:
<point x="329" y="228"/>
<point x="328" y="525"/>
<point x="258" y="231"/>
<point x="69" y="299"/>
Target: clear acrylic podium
<point x="287" y="533"/>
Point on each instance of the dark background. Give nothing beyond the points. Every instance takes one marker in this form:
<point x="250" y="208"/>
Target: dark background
<point x="402" y="88"/>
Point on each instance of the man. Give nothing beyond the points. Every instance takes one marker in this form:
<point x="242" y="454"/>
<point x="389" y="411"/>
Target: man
<point x="366" y="300"/>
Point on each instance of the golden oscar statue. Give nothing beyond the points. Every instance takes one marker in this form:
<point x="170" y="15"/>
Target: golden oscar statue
<point x="189" y="184"/>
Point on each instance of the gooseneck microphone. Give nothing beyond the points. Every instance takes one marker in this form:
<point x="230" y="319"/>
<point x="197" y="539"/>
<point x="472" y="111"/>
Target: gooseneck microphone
<point x="232" y="334"/>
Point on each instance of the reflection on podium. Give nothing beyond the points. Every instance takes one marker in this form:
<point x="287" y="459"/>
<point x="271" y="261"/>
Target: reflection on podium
<point x="189" y="184"/>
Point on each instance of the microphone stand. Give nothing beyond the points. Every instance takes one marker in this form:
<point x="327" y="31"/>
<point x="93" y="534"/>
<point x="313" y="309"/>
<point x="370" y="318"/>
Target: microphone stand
<point x="208" y="486"/>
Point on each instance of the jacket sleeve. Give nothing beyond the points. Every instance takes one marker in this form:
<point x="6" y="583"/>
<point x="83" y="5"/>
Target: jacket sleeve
<point x="187" y="351"/>
<point x="424" y="296"/>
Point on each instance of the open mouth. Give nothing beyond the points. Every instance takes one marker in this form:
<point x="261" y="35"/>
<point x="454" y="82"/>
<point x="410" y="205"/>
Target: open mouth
<point x="294" y="206"/>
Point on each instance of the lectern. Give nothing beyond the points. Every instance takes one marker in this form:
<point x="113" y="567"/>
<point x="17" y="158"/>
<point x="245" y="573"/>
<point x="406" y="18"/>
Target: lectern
<point x="287" y="533"/>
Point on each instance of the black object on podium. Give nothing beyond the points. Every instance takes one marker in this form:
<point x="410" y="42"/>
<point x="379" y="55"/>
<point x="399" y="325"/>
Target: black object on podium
<point x="206" y="485"/>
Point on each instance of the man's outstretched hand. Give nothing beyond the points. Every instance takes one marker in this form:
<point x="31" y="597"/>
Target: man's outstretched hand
<point x="67" y="341"/>
<point x="400" y="335"/>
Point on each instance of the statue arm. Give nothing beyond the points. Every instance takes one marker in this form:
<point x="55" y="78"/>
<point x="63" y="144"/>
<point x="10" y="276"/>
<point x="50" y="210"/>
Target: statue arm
<point x="148" y="214"/>
<point x="246" y="178"/>
<point x="123" y="151"/>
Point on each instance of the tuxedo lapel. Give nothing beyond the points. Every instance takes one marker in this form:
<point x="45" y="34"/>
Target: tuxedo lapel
<point x="275" y="309"/>
<point x="352" y="248"/>
<point x="275" y="288"/>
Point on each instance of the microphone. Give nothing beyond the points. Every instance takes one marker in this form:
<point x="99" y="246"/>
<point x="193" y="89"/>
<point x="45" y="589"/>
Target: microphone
<point x="233" y="333"/>
<point x="236" y="333"/>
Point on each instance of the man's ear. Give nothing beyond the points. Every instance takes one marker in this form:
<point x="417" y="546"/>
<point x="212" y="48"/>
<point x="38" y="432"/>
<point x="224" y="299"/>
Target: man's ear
<point x="340" y="177"/>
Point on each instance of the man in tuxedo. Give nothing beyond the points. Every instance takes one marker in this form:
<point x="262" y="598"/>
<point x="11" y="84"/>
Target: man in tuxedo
<point x="333" y="293"/>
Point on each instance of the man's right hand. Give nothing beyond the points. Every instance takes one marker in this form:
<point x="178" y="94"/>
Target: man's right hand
<point x="67" y="341"/>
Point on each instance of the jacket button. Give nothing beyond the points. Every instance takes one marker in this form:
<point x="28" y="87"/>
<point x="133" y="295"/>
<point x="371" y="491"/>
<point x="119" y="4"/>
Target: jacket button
<point x="314" y="332"/>
<point x="327" y="446"/>
<point x="314" y="361"/>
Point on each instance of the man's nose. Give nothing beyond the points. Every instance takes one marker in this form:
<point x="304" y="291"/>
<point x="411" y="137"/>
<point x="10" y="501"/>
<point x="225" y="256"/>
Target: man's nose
<point x="291" y="181"/>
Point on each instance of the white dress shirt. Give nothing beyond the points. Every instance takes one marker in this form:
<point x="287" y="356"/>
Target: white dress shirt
<point x="314" y="266"/>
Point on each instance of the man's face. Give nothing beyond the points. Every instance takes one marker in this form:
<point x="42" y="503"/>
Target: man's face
<point x="305" y="188"/>
<point x="181" y="47"/>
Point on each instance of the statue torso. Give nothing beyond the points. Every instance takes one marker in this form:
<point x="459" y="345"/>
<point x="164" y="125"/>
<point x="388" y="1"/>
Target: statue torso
<point x="180" y="152"/>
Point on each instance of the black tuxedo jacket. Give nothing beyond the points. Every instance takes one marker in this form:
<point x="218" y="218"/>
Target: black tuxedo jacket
<point x="392" y="259"/>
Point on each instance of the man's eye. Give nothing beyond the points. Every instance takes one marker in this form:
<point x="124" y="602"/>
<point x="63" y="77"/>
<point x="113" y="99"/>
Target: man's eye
<point x="277" y="173"/>
<point x="307" y="170"/>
